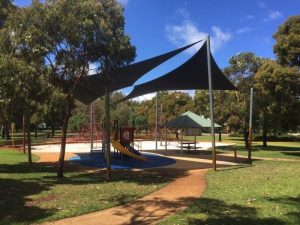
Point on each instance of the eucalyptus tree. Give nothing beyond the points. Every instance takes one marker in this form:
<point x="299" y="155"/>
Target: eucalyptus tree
<point x="55" y="104"/>
<point x="287" y="47"/>
<point x="6" y="6"/>
<point x="242" y="67"/>
<point x="21" y="93"/>
<point x="66" y="36"/>
<point x="278" y="91"/>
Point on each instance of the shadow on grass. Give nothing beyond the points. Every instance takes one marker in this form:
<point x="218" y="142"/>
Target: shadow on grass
<point x="19" y="182"/>
<point x="15" y="203"/>
<point x="202" y="211"/>
<point x="296" y="154"/>
<point x="24" y="168"/>
<point x="243" y="166"/>
<point x="260" y="147"/>
<point x="292" y="201"/>
<point x="218" y="212"/>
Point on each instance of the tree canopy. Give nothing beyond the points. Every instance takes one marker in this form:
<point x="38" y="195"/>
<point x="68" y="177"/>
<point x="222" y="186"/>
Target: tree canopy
<point x="64" y="37"/>
<point x="278" y="89"/>
<point x="287" y="47"/>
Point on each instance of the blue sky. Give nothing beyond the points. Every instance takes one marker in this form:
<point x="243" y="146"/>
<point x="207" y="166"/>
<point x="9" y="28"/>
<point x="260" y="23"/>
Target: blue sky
<point x="158" y="26"/>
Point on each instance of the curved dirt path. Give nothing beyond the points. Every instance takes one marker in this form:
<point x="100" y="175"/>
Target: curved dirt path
<point x="150" y="209"/>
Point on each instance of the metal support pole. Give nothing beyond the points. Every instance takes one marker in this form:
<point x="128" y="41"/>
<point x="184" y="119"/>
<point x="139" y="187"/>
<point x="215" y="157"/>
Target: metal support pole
<point x="181" y="134"/>
<point x="250" y="126"/>
<point x="160" y="121"/>
<point x="107" y="132"/>
<point x="92" y="125"/>
<point x="166" y="136"/>
<point x="195" y="139"/>
<point x="156" y="119"/>
<point x="211" y="106"/>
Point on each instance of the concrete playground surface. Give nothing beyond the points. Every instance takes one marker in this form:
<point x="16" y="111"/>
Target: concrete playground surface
<point x="139" y="145"/>
<point x="170" y="157"/>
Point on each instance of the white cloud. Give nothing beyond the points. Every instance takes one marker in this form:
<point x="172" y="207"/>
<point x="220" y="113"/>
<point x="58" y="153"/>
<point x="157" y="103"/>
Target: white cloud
<point x="145" y="97"/>
<point x="262" y="5"/>
<point x="219" y="38"/>
<point x="244" y="30"/>
<point x="123" y="2"/>
<point x="273" y="15"/>
<point x="267" y="40"/>
<point x="187" y="33"/>
<point x="182" y="13"/>
<point x="250" y="17"/>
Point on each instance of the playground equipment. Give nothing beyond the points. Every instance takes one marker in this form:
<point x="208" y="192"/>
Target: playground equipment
<point x="126" y="143"/>
<point x="85" y="134"/>
<point x="91" y="132"/>
<point x="128" y="150"/>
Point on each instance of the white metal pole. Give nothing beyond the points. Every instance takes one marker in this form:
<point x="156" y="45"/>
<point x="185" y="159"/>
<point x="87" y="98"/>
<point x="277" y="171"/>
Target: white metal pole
<point x="156" y="119"/>
<point x="250" y="125"/>
<point x="211" y="105"/>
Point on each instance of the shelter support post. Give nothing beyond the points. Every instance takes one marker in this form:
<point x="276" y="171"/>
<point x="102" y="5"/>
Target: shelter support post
<point x="156" y="119"/>
<point x="250" y="127"/>
<point x="211" y="106"/>
<point x="166" y="137"/>
<point x="92" y="125"/>
<point x="195" y="135"/>
<point x="181" y="137"/>
<point x="160" y="121"/>
<point x="235" y="155"/>
<point x="107" y="132"/>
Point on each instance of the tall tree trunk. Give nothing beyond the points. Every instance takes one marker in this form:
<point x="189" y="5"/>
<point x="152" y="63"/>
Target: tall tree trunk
<point x="60" y="172"/>
<point x="265" y="129"/>
<point x="27" y="125"/>
<point x="52" y="131"/>
<point x="7" y="135"/>
<point x="35" y="130"/>
<point x="24" y="135"/>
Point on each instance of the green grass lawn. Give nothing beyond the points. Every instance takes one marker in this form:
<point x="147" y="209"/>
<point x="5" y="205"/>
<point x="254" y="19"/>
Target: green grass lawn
<point x="288" y="150"/>
<point x="267" y="193"/>
<point x="33" y="194"/>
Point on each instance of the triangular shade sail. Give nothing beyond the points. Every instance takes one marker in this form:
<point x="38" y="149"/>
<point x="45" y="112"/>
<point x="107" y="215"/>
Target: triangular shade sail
<point x="92" y="87"/>
<point x="189" y="120"/>
<point x="191" y="75"/>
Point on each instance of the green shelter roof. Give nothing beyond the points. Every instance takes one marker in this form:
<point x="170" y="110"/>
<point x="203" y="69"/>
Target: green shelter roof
<point x="190" y="120"/>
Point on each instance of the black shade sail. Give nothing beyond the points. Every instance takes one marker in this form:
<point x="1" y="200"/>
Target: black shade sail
<point x="92" y="87"/>
<point x="191" y="75"/>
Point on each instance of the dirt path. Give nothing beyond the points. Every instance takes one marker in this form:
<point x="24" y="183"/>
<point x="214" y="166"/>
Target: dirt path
<point x="167" y="201"/>
<point x="51" y="157"/>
